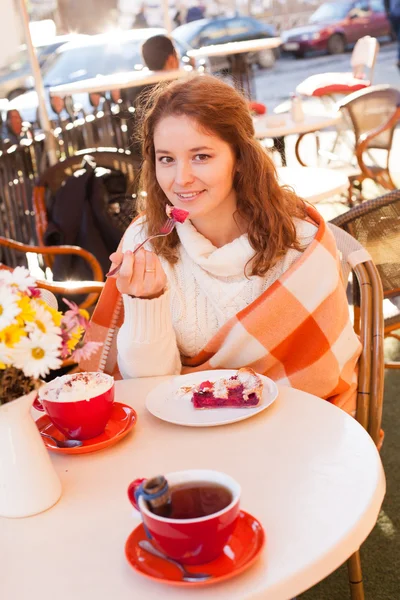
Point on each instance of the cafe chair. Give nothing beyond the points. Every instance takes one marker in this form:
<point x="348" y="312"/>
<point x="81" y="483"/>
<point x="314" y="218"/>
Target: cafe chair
<point x="17" y="176"/>
<point x="119" y="209"/>
<point x="373" y="115"/>
<point x="89" y="290"/>
<point x="376" y="225"/>
<point x="54" y="177"/>
<point x="368" y="324"/>
<point x="370" y="116"/>
<point x="327" y="85"/>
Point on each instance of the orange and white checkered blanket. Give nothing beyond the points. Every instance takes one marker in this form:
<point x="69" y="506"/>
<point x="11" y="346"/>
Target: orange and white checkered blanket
<point x="298" y="332"/>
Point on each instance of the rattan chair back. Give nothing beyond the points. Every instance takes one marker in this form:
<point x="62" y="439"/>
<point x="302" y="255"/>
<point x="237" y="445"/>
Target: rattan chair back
<point x="364" y="54"/>
<point x="52" y="179"/>
<point x="368" y="323"/>
<point x="371" y="108"/>
<point x="376" y="225"/>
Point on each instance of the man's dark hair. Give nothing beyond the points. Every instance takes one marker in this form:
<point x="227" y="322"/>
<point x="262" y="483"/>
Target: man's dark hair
<point x="156" y="50"/>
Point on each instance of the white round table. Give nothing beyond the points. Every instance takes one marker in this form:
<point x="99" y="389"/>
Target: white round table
<point x="274" y="126"/>
<point x="314" y="184"/>
<point x="308" y="472"/>
<point x="278" y="127"/>
<point x="241" y="71"/>
<point x="117" y="81"/>
<point x="236" y="47"/>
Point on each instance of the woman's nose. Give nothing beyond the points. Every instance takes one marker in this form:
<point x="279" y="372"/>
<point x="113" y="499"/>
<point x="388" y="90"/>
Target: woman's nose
<point x="184" y="174"/>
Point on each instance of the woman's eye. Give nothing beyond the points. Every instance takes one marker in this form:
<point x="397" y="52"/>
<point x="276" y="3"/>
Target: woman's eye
<point x="202" y="157"/>
<point x="165" y="160"/>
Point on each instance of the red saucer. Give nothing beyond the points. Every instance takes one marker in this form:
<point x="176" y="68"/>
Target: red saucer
<point x="239" y="554"/>
<point x="122" y="419"/>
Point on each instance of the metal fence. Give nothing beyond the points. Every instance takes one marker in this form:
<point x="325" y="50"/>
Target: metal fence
<point x="111" y="125"/>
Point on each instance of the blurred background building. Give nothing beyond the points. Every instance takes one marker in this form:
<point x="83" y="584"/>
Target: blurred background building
<point x="96" y="16"/>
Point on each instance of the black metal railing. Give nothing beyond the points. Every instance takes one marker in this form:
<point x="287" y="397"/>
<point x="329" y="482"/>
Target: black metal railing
<point x="23" y="158"/>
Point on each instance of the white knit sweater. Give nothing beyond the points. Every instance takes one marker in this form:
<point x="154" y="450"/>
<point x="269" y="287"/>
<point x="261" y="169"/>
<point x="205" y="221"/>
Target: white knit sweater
<point x="207" y="287"/>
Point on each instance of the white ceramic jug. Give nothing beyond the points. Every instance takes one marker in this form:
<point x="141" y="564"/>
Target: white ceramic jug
<point x="28" y="481"/>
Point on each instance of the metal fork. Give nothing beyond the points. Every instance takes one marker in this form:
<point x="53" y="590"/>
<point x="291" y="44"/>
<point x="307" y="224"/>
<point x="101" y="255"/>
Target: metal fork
<point x="186" y="575"/>
<point x="165" y="230"/>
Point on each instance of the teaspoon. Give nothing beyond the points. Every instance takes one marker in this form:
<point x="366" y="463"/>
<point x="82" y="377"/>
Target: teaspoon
<point x="186" y="575"/>
<point x="61" y="444"/>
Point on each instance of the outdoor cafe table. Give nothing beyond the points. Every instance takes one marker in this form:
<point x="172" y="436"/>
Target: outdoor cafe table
<point x="241" y="70"/>
<point x="279" y="126"/>
<point x="314" y="184"/>
<point x="309" y="472"/>
<point x="116" y="81"/>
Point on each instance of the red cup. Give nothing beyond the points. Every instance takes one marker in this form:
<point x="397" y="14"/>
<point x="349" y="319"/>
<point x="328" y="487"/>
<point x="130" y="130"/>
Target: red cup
<point x="191" y="541"/>
<point x="79" y="419"/>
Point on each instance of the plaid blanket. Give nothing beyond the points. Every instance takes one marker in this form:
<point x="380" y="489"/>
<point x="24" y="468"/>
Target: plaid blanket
<point x="298" y="332"/>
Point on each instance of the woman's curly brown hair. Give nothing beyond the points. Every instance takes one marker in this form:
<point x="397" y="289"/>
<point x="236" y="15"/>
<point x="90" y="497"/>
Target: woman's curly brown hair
<point x="219" y="109"/>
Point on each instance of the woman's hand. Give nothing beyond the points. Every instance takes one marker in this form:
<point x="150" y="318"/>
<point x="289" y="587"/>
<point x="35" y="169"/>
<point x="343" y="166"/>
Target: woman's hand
<point x="141" y="274"/>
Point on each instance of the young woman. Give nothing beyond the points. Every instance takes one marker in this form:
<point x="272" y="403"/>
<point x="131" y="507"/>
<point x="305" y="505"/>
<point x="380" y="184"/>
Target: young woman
<point x="250" y="278"/>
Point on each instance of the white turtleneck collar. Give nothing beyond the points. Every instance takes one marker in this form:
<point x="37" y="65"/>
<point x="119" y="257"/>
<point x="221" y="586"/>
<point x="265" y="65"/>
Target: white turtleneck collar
<point x="227" y="261"/>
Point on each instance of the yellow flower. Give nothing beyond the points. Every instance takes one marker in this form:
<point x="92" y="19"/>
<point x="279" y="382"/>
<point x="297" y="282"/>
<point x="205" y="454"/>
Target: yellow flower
<point x="27" y="313"/>
<point x="56" y="315"/>
<point x="11" y="335"/>
<point x="75" y="338"/>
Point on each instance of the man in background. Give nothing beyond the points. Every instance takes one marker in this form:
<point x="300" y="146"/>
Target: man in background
<point x="159" y="54"/>
<point x="393" y="11"/>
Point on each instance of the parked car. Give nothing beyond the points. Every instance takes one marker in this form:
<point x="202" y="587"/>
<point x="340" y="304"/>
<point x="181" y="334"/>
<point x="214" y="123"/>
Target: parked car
<point x="221" y="30"/>
<point x="103" y="54"/>
<point x="16" y="77"/>
<point x="334" y="26"/>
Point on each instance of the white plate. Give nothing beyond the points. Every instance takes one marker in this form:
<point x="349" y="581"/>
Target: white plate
<point x="163" y="401"/>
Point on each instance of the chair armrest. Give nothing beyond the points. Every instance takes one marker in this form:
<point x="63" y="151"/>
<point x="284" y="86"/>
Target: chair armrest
<point x="71" y="287"/>
<point x="85" y="254"/>
<point x="91" y="288"/>
<point x="365" y="139"/>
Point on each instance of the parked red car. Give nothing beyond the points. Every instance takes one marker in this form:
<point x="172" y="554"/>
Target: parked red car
<point x="337" y="25"/>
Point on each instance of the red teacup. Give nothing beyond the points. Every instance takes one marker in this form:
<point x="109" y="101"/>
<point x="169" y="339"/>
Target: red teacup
<point x="79" y="405"/>
<point x="191" y="541"/>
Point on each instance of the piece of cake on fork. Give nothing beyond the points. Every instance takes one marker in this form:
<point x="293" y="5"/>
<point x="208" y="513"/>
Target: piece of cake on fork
<point x="243" y="390"/>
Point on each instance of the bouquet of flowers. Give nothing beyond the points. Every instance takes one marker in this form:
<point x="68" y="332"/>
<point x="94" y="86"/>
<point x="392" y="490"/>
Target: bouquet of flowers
<point x="34" y="337"/>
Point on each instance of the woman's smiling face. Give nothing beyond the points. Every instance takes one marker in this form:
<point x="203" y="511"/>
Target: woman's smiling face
<point x="194" y="168"/>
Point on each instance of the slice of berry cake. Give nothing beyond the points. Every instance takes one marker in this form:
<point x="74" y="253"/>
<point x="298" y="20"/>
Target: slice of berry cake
<point x="243" y="390"/>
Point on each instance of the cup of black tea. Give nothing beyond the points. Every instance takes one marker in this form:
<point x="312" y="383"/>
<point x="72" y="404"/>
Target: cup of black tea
<point x="200" y="517"/>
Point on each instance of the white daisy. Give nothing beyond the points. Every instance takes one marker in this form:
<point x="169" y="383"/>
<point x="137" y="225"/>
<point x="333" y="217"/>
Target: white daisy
<point x="9" y="308"/>
<point x="20" y="277"/>
<point x="37" y="354"/>
<point x="43" y="320"/>
<point x="5" y="355"/>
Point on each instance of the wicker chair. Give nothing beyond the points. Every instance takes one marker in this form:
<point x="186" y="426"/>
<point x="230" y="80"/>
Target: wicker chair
<point x="17" y="176"/>
<point x="373" y="114"/>
<point x="54" y="176"/>
<point x="368" y="323"/>
<point x="90" y="289"/>
<point x="376" y="225"/>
